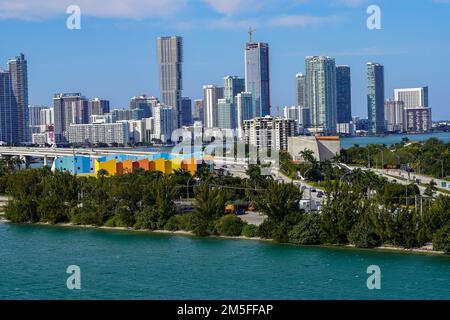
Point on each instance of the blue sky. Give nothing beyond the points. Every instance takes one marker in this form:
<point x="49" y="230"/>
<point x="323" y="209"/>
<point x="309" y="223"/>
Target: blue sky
<point x="113" y="54"/>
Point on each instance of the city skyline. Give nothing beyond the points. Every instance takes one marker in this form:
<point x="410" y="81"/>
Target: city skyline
<point x="209" y="55"/>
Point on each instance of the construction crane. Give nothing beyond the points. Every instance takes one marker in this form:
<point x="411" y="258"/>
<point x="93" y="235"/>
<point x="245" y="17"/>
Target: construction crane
<point x="250" y="33"/>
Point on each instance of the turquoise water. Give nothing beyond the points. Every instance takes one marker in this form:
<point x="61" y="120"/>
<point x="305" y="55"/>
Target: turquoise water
<point x="392" y="139"/>
<point x="125" y="265"/>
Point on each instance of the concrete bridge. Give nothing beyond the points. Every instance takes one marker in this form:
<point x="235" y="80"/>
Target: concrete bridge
<point x="48" y="155"/>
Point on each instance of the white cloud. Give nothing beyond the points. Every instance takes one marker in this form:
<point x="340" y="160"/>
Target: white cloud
<point x="302" y="20"/>
<point x="230" y="7"/>
<point x="227" y="23"/>
<point x="352" y="3"/>
<point x="134" y="9"/>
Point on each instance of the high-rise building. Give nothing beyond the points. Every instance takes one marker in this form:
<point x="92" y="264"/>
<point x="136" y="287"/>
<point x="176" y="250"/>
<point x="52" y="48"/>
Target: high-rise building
<point x="19" y="80"/>
<point x="244" y="109"/>
<point x="300" y="92"/>
<point x="197" y="112"/>
<point x="47" y="117"/>
<point x="412" y="97"/>
<point x="109" y="133"/>
<point x="36" y="122"/>
<point x="269" y="132"/>
<point x="186" y="111"/>
<point x="226" y="114"/>
<point x="121" y="114"/>
<point x="343" y="94"/>
<point x="145" y="103"/>
<point x="394" y="111"/>
<point x="418" y="119"/>
<point x="257" y="77"/>
<point x="211" y="94"/>
<point x="162" y="124"/>
<point x="375" y="98"/>
<point x="69" y="108"/>
<point x="97" y="106"/>
<point x="170" y="59"/>
<point x="321" y="93"/>
<point x="290" y="112"/>
<point x="304" y="117"/>
<point x="232" y="86"/>
<point x="8" y="116"/>
<point x="226" y="107"/>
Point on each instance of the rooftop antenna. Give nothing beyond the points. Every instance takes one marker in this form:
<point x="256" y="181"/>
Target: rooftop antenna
<point x="250" y="33"/>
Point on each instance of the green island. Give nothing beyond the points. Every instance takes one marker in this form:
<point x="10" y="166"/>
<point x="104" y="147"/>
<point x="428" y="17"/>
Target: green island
<point x="360" y="208"/>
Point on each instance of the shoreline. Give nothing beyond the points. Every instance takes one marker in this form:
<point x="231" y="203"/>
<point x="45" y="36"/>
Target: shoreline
<point x="384" y="248"/>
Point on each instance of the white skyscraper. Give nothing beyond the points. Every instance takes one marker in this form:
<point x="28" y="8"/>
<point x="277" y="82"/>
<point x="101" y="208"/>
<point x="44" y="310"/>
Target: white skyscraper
<point x="163" y="126"/>
<point x="211" y="95"/>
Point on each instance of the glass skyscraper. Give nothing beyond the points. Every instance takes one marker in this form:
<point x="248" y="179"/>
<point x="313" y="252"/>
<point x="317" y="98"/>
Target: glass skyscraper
<point x="19" y="80"/>
<point x="375" y="98"/>
<point x="257" y="77"/>
<point x="321" y="93"/>
<point x="186" y="111"/>
<point x="8" y="116"/>
<point x="344" y="94"/>
<point x="300" y="84"/>
<point x="170" y="59"/>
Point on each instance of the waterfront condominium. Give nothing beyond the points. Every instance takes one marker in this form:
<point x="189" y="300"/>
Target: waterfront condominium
<point x="394" y="111"/>
<point x="343" y="94"/>
<point x="69" y="108"/>
<point x="269" y="132"/>
<point x="257" y="77"/>
<point x="8" y="117"/>
<point x="412" y="97"/>
<point x="321" y="93"/>
<point x="211" y="95"/>
<point x="375" y="98"/>
<point x="170" y="59"/>
<point x="19" y="80"/>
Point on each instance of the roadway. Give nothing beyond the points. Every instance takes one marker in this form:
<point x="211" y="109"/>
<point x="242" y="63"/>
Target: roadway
<point x="395" y="176"/>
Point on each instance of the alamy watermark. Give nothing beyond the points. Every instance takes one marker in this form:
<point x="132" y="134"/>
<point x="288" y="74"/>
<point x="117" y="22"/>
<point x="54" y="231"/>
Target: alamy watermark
<point x="73" y="21"/>
<point x="374" y="280"/>
<point x="226" y="147"/>
<point x="374" y="19"/>
<point x="74" y="280"/>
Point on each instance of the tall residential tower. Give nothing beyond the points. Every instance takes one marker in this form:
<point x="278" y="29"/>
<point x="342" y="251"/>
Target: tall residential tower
<point x="321" y="93"/>
<point x="257" y="77"/>
<point x="19" y="80"/>
<point x="170" y="59"/>
<point x="344" y="94"/>
<point x="375" y="98"/>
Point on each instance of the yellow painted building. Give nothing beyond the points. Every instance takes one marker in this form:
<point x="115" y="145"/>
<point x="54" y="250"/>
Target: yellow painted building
<point x="159" y="165"/>
<point x="110" y="166"/>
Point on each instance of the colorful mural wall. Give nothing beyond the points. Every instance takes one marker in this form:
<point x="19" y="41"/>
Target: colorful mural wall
<point x="122" y="164"/>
